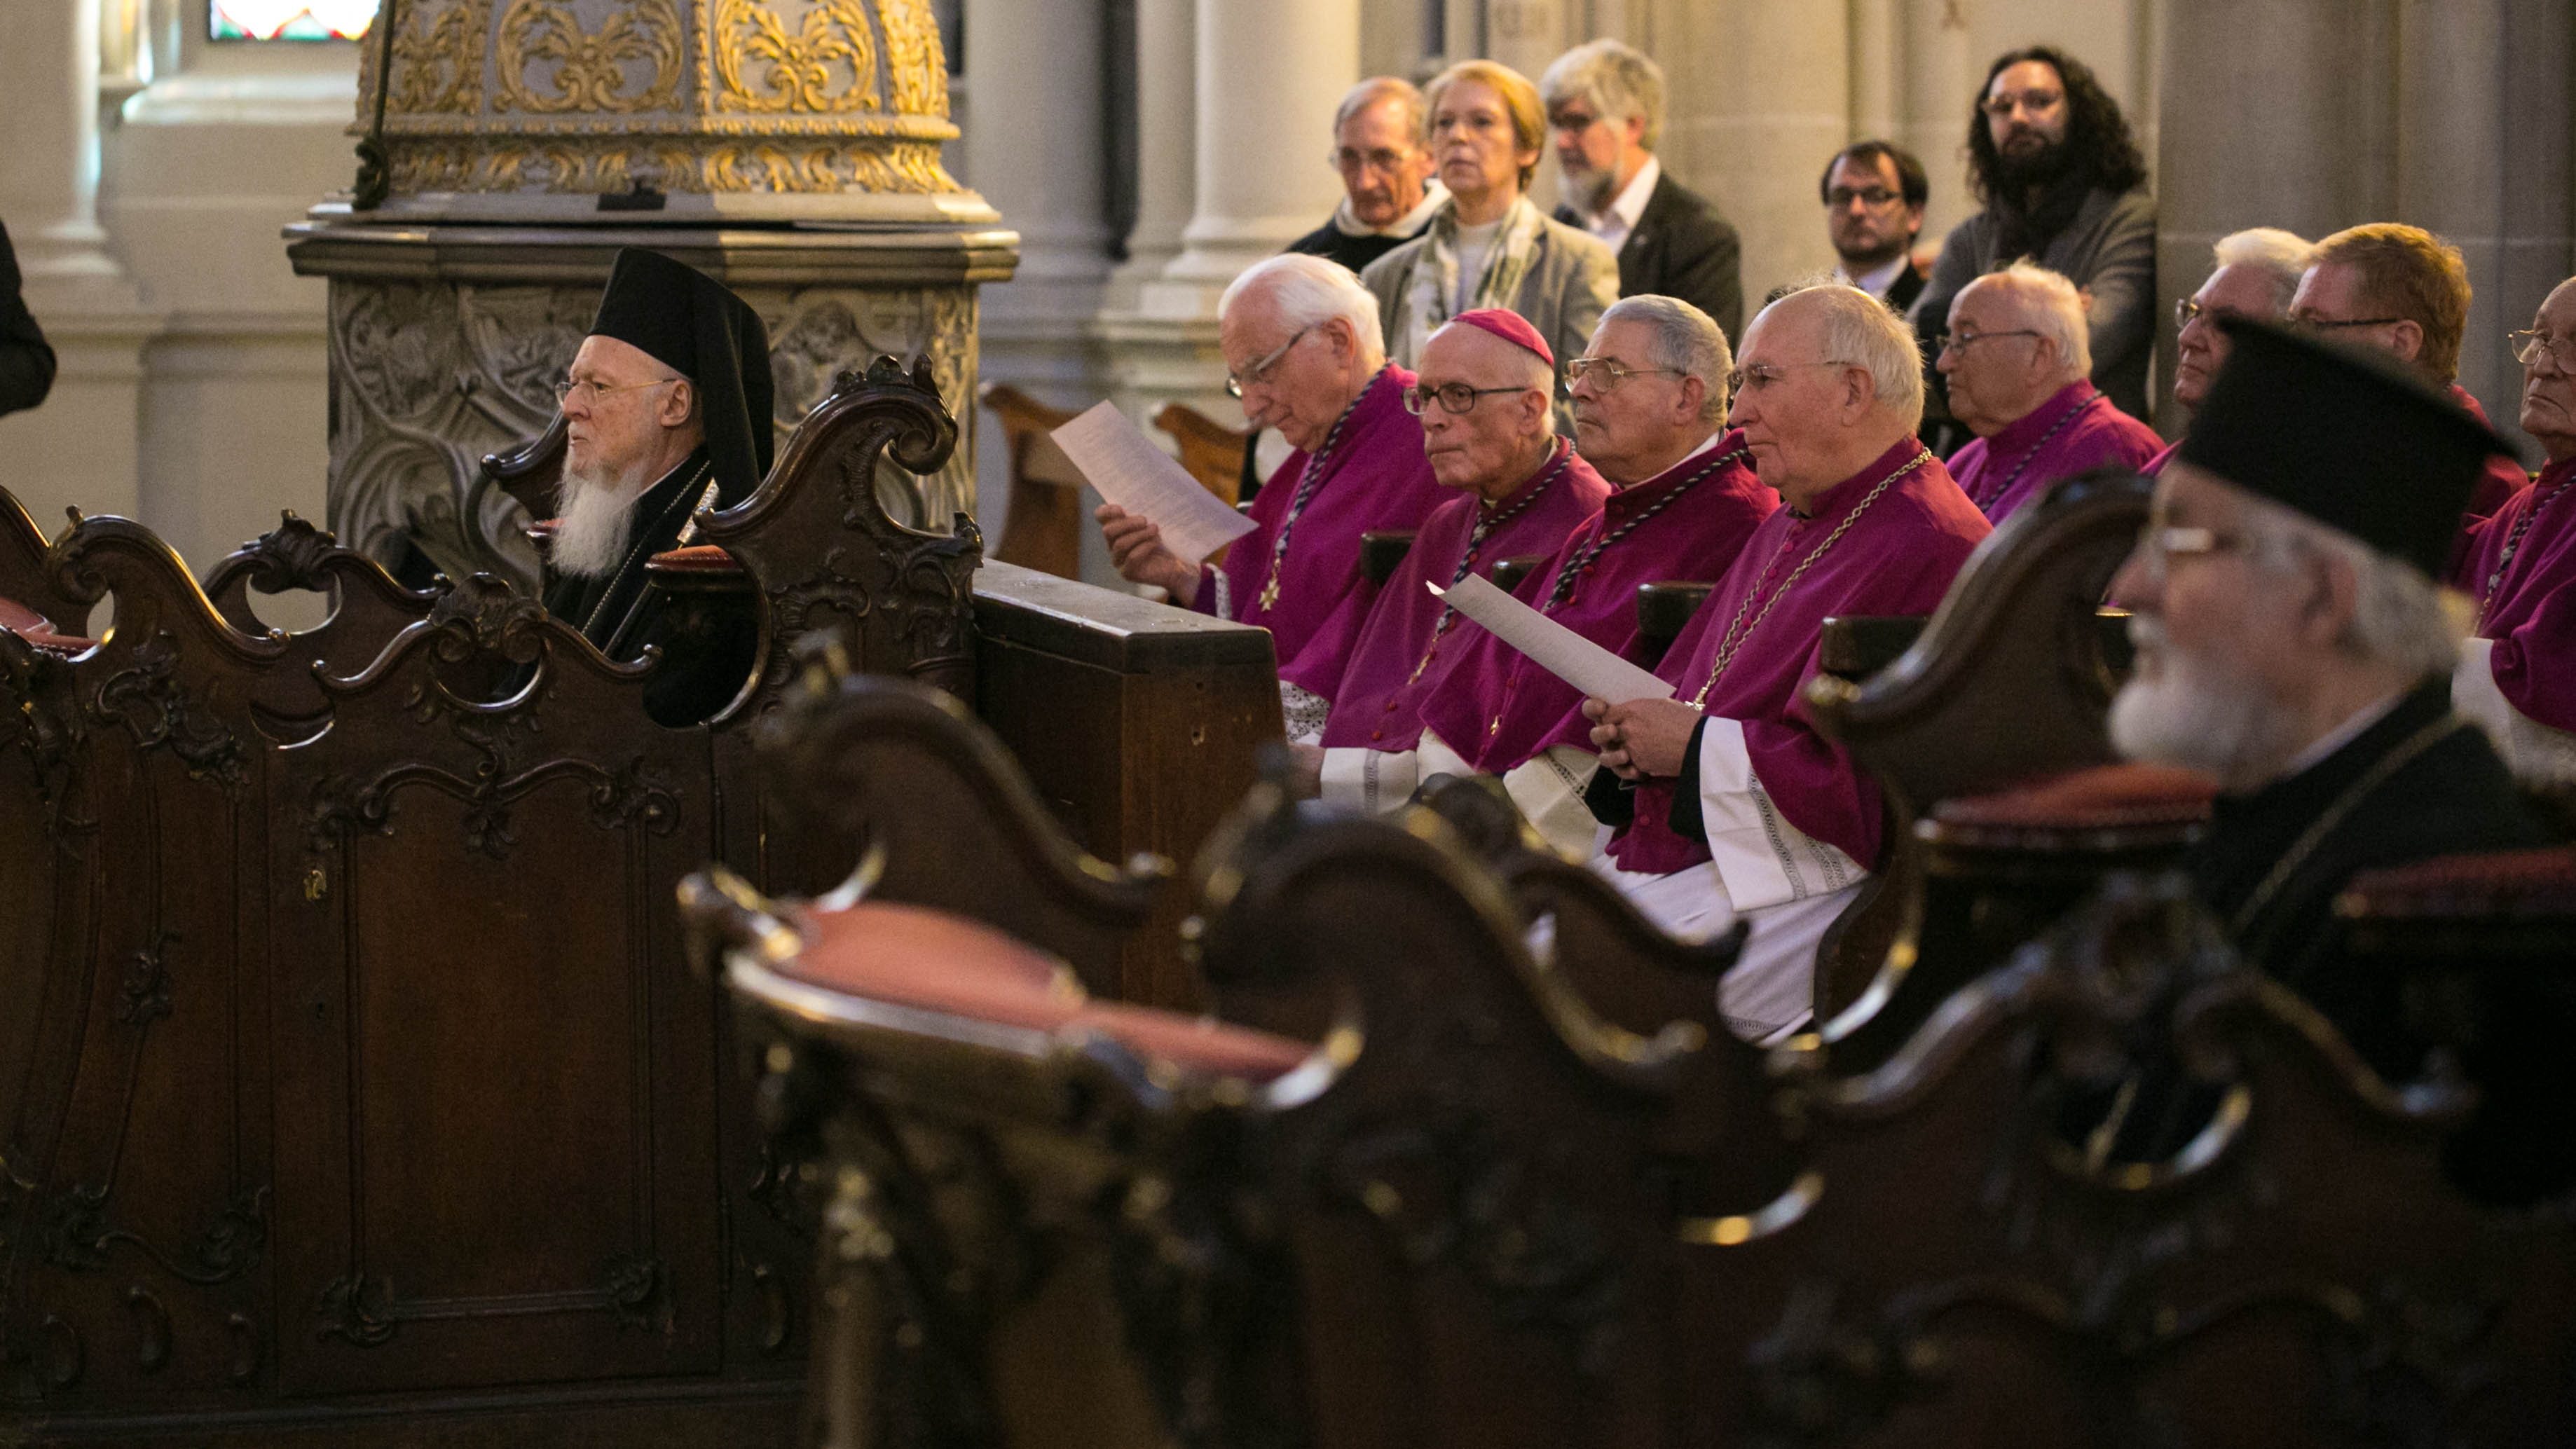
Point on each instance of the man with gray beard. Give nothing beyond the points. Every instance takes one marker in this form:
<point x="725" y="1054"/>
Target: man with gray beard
<point x="2293" y="645"/>
<point x="667" y="407"/>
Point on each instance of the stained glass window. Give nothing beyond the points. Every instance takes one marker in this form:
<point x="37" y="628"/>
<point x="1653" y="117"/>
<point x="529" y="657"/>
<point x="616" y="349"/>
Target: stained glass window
<point x="289" y="19"/>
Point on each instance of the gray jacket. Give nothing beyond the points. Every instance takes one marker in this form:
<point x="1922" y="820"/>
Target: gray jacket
<point x="2110" y="249"/>
<point x="1573" y="278"/>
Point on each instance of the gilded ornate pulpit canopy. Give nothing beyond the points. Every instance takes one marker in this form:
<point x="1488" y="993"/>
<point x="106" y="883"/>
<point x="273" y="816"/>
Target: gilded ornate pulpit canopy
<point x="750" y="109"/>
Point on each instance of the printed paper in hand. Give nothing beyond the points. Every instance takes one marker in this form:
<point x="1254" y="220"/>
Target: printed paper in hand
<point x="1550" y="645"/>
<point x="1131" y="472"/>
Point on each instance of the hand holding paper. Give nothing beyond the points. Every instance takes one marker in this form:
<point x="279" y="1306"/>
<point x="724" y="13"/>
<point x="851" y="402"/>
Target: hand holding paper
<point x="1131" y="472"/>
<point x="1550" y="645"/>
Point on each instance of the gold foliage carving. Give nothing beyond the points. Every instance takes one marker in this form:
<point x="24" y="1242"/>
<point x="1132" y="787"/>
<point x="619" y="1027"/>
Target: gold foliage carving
<point x="610" y="164"/>
<point x="438" y="59"/>
<point x="590" y="66"/>
<point x="827" y="64"/>
<point x="916" y="66"/>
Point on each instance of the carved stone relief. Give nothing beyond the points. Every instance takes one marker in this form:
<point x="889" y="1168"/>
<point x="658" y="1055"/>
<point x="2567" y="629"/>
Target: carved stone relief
<point x="428" y="377"/>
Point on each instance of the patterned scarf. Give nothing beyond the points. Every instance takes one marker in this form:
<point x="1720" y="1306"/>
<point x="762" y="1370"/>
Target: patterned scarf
<point x="1423" y="304"/>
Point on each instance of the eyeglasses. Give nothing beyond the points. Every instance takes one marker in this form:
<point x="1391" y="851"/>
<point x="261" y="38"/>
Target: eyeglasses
<point x="1455" y="397"/>
<point x="1762" y="374"/>
<point x="2003" y="103"/>
<point x="1606" y="375"/>
<point x="1872" y="197"/>
<point x="565" y="389"/>
<point x="2161" y="543"/>
<point x="2188" y="310"/>
<point x="2529" y="344"/>
<point x="2324" y="324"/>
<point x="1962" y="341"/>
<point x="1571" y="121"/>
<point x="1259" y="372"/>
<point x="1352" y="163"/>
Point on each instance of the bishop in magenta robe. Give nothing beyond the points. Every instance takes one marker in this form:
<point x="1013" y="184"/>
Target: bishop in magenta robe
<point x="1767" y="819"/>
<point x="1498" y="714"/>
<point x="2073" y="431"/>
<point x="1297" y="574"/>
<point x="1488" y="427"/>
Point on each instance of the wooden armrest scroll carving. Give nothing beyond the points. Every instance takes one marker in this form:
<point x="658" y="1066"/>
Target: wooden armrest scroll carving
<point x="942" y="816"/>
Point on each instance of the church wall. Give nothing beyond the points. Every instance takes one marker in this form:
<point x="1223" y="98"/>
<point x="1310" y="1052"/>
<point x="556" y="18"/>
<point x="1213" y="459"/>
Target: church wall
<point x="2321" y="114"/>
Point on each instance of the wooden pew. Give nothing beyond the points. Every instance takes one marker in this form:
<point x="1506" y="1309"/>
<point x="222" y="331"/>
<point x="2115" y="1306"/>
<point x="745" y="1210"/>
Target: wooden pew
<point x="1043" y="523"/>
<point x="357" y="1092"/>
<point x="2008" y="684"/>
<point x="1212" y="452"/>
<point x="1448" y="1225"/>
<point x="1968" y="1270"/>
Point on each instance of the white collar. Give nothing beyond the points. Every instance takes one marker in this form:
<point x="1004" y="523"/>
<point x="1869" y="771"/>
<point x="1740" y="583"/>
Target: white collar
<point x="1408" y="225"/>
<point x="1876" y="281"/>
<point x="1630" y="204"/>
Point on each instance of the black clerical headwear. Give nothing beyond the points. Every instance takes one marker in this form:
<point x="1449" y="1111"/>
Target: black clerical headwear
<point x="691" y="324"/>
<point x="2343" y="437"/>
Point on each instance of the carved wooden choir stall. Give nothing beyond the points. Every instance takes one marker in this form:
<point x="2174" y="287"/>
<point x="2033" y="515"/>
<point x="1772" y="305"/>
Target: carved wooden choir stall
<point x="1422" y="1185"/>
<point x="353" y="1083"/>
<point x="1421" y="1182"/>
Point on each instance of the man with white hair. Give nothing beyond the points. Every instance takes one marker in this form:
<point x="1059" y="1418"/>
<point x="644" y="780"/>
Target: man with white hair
<point x="1387" y="192"/>
<point x="2020" y="373"/>
<point x="1303" y="350"/>
<point x="2518" y="676"/>
<point x="1487" y="403"/>
<point x="1605" y="108"/>
<point x="1726" y="801"/>
<point x="667" y="411"/>
<point x="2256" y="274"/>
<point x="2292" y="644"/>
<point x="1649" y="416"/>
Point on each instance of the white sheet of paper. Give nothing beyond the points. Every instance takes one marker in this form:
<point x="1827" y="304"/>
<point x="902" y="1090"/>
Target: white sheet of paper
<point x="1131" y="472"/>
<point x="1550" y="645"/>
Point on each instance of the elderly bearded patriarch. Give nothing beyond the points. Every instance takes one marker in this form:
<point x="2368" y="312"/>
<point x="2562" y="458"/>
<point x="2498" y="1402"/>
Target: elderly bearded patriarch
<point x="667" y="411"/>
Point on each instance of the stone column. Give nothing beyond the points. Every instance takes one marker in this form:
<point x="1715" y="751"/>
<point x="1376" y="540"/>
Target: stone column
<point x="1761" y="96"/>
<point x="84" y="435"/>
<point x="2456" y="118"/>
<point x="1037" y="154"/>
<point x="1269" y="76"/>
<point x="1166" y="150"/>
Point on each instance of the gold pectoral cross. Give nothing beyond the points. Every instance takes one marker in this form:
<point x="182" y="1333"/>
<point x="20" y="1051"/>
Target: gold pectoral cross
<point x="1269" y="595"/>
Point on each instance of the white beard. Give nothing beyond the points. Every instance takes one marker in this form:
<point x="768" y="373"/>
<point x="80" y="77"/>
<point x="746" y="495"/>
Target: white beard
<point x="590" y="538"/>
<point x="2199" y="713"/>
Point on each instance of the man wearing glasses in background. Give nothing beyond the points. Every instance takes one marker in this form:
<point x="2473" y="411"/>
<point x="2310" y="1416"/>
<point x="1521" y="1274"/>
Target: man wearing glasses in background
<point x="2518" y="676"/>
<point x="667" y="410"/>
<point x="1605" y="110"/>
<point x="2063" y="185"/>
<point x="2255" y="274"/>
<point x="1386" y="176"/>
<point x="1874" y="194"/>
<point x="2403" y="291"/>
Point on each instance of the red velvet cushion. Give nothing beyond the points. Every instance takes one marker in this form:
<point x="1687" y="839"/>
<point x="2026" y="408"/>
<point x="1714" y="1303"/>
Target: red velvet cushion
<point x="938" y="962"/>
<point x="923" y="958"/>
<point x="2506" y="883"/>
<point x="697" y="558"/>
<point x="38" y="630"/>
<point x="2100" y="798"/>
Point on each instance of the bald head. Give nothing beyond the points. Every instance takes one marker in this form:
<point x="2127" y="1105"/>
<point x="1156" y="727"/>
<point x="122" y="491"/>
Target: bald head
<point x="2017" y="337"/>
<point x="1831" y="380"/>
